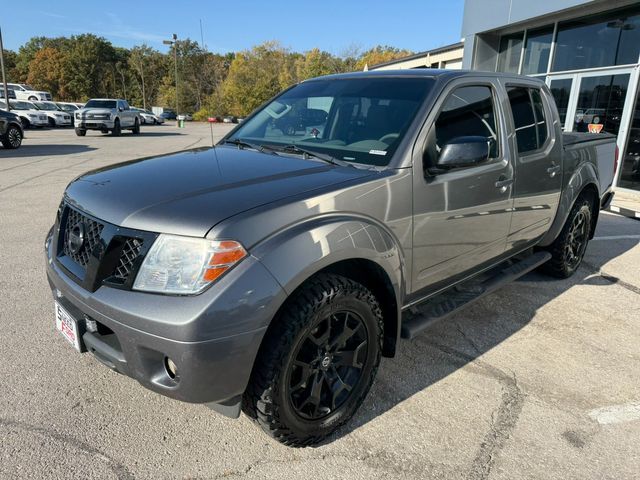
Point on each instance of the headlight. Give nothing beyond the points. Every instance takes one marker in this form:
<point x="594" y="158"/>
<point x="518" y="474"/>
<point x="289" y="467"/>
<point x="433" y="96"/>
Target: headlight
<point x="186" y="265"/>
<point x="32" y="115"/>
<point x="77" y="115"/>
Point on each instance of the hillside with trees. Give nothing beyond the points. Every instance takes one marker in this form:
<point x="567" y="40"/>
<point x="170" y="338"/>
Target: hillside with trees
<point x="87" y="66"/>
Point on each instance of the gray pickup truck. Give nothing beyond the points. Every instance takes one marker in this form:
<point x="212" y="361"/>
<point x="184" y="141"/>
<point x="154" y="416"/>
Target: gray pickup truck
<point x="106" y="115"/>
<point x="270" y="274"/>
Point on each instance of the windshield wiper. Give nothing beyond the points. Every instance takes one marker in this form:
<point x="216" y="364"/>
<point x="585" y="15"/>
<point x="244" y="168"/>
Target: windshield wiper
<point x="242" y="144"/>
<point x="295" y="149"/>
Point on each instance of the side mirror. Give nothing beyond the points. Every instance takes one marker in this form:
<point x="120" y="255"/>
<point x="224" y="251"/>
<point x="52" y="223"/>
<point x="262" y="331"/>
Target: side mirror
<point x="463" y="152"/>
<point x="120" y="109"/>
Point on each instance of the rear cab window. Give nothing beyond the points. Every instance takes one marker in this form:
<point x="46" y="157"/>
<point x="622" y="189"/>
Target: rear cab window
<point x="529" y="118"/>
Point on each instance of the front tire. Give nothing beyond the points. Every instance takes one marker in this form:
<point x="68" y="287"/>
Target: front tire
<point x="136" y="127"/>
<point x="13" y="138"/>
<point x="116" y="128"/>
<point x="567" y="251"/>
<point x="318" y="361"/>
<point x="80" y="132"/>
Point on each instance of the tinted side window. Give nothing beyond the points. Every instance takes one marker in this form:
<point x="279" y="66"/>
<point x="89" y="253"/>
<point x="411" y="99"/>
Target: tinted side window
<point x="541" y="119"/>
<point x="528" y="118"/>
<point x="468" y="111"/>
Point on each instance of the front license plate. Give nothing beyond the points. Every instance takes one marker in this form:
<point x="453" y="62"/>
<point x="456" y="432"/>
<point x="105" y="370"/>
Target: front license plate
<point x="67" y="326"/>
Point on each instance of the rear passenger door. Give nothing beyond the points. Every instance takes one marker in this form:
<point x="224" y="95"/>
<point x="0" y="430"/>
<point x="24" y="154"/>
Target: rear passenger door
<point x="538" y="163"/>
<point x="462" y="215"/>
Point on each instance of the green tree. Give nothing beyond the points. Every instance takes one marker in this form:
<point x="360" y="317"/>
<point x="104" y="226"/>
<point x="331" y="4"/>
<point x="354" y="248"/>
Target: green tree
<point x="316" y="63"/>
<point x="380" y="54"/>
<point x="257" y="75"/>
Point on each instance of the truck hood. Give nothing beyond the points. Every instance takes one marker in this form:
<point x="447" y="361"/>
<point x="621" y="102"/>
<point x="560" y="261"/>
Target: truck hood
<point x="99" y="111"/>
<point x="187" y="193"/>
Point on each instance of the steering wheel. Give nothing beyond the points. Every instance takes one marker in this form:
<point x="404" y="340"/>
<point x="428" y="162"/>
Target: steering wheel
<point x="388" y="138"/>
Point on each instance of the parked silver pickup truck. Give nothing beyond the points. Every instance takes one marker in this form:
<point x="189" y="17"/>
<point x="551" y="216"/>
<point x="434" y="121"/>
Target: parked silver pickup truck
<point x="106" y="115"/>
<point x="269" y="274"/>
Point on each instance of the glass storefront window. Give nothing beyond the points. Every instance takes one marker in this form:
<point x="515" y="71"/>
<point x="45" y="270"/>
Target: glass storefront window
<point x="600" y="101"/>
<point x="630" y="174"/>
<point x="561" y="90"/>
<point x="598" y="41"/>
<point x="536" y="51"/>
<point x="510" y="50"/>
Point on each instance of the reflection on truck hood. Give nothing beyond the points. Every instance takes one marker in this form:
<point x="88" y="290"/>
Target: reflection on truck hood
<point x="189" y="192"/>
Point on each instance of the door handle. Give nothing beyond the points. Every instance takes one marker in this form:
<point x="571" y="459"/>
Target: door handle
<point x="503" y="183"/>
<point x="553" y="170"/>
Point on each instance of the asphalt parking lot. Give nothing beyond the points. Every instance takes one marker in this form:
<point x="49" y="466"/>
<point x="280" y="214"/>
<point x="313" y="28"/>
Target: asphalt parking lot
<point x="539" y="380"/>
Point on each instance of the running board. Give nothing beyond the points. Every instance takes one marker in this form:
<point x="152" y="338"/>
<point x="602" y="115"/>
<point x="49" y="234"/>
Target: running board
<point x="439" y="307"/>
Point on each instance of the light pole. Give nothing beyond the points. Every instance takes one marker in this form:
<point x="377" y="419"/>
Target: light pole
<point x="174" y="42"/>
<point x="4" y="79"/>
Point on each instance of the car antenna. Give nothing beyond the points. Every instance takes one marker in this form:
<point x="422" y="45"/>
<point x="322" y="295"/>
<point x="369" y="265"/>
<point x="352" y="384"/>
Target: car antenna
<point x="211" y="120"/>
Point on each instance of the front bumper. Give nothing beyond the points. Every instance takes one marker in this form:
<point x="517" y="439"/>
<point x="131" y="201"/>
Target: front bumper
<point x="61" y="122"/>
<point x="213" y="338"/>
<point x="89" y="124"/>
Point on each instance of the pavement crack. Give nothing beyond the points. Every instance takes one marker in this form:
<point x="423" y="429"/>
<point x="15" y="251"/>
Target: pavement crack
<point x="503" y="422"/>
<point x="468" y="339"/>
<point x="503" y="419"/>
<point x="612" y="278"/>
<point x="119" y="469"/>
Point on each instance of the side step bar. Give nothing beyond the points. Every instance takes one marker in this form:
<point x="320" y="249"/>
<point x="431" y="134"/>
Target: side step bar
<point x="439" y="307"/>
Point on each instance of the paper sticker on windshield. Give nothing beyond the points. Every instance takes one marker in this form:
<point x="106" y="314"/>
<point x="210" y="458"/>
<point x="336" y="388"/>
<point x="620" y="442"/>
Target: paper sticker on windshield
<point x="377" y="152"/>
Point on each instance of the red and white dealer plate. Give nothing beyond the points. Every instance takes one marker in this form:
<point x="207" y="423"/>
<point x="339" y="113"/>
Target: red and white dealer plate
<point x="67" y="326"/>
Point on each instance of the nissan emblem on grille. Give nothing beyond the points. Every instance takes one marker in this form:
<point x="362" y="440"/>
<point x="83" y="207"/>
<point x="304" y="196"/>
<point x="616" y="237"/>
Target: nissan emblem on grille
<point x="75" y="239"/>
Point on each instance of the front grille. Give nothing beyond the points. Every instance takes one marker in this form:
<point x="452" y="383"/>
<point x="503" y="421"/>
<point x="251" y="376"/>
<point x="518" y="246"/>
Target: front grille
<point x="130" y="253"/>
<point x="107" y="255"/>
<point x="91" y="234"/>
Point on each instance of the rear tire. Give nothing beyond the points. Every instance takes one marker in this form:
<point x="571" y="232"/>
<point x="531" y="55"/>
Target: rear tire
<point x="318" y="361"/>
<point x="80" y="132"/>
<point x="567" y="251"/>
<point x="13" y="138"/>
<point x="116" y="128"/>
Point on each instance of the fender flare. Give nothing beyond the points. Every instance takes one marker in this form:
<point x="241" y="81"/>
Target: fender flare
<point x="584" y="177"/>
<point x="295" y="254"/>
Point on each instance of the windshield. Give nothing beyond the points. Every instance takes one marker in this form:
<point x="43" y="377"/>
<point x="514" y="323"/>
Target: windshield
<point x="47" y="106"/>
<point x="100" y="104"/>
<point x="67" y="107"/>
<point x="359" y="120"/>
<point x="19" y="105"/>
<point x="26" y="87"/>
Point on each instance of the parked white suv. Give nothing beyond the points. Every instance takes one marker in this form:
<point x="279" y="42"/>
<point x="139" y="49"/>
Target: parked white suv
<point x="57" y="116"/>
<point x="26" y="92"/>
<point x="30" y="115"/>
<point x="106" y="115"/>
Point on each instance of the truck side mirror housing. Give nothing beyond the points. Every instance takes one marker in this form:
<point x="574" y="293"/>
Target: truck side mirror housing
<point x="463" y="152"/>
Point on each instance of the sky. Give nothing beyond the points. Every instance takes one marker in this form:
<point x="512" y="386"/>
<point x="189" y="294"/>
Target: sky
<point x="233" y="25"/>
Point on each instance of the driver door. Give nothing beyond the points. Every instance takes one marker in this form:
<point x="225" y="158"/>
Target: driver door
<point x="461" y="215"/>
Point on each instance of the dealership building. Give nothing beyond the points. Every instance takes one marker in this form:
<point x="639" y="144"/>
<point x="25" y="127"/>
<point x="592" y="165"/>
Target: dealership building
<point x="588" y="52"/>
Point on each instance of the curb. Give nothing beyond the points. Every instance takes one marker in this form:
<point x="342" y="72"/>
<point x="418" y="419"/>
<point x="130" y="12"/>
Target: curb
<point x="625" y="211"/>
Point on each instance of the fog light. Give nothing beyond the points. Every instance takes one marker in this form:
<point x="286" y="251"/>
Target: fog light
<point x="92" y="325"/>
<point x="172" y="369"/>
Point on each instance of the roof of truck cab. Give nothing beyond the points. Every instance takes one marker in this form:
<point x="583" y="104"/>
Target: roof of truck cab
<point x="425" y="73"/>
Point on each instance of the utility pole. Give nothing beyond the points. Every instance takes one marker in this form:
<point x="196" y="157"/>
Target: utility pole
<point x="4" y="79"/>
<point x="174" y="42"/>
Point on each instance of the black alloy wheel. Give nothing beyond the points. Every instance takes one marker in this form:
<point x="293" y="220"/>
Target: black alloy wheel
<point x="328" y="365"/>
<point x="577" y="241"/>
<point x="317" y="361"/>
<point x="13" y="138"/>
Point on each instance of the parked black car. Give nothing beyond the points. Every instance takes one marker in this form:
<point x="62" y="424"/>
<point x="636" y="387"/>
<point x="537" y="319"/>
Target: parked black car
<point x="11" y="132"/>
